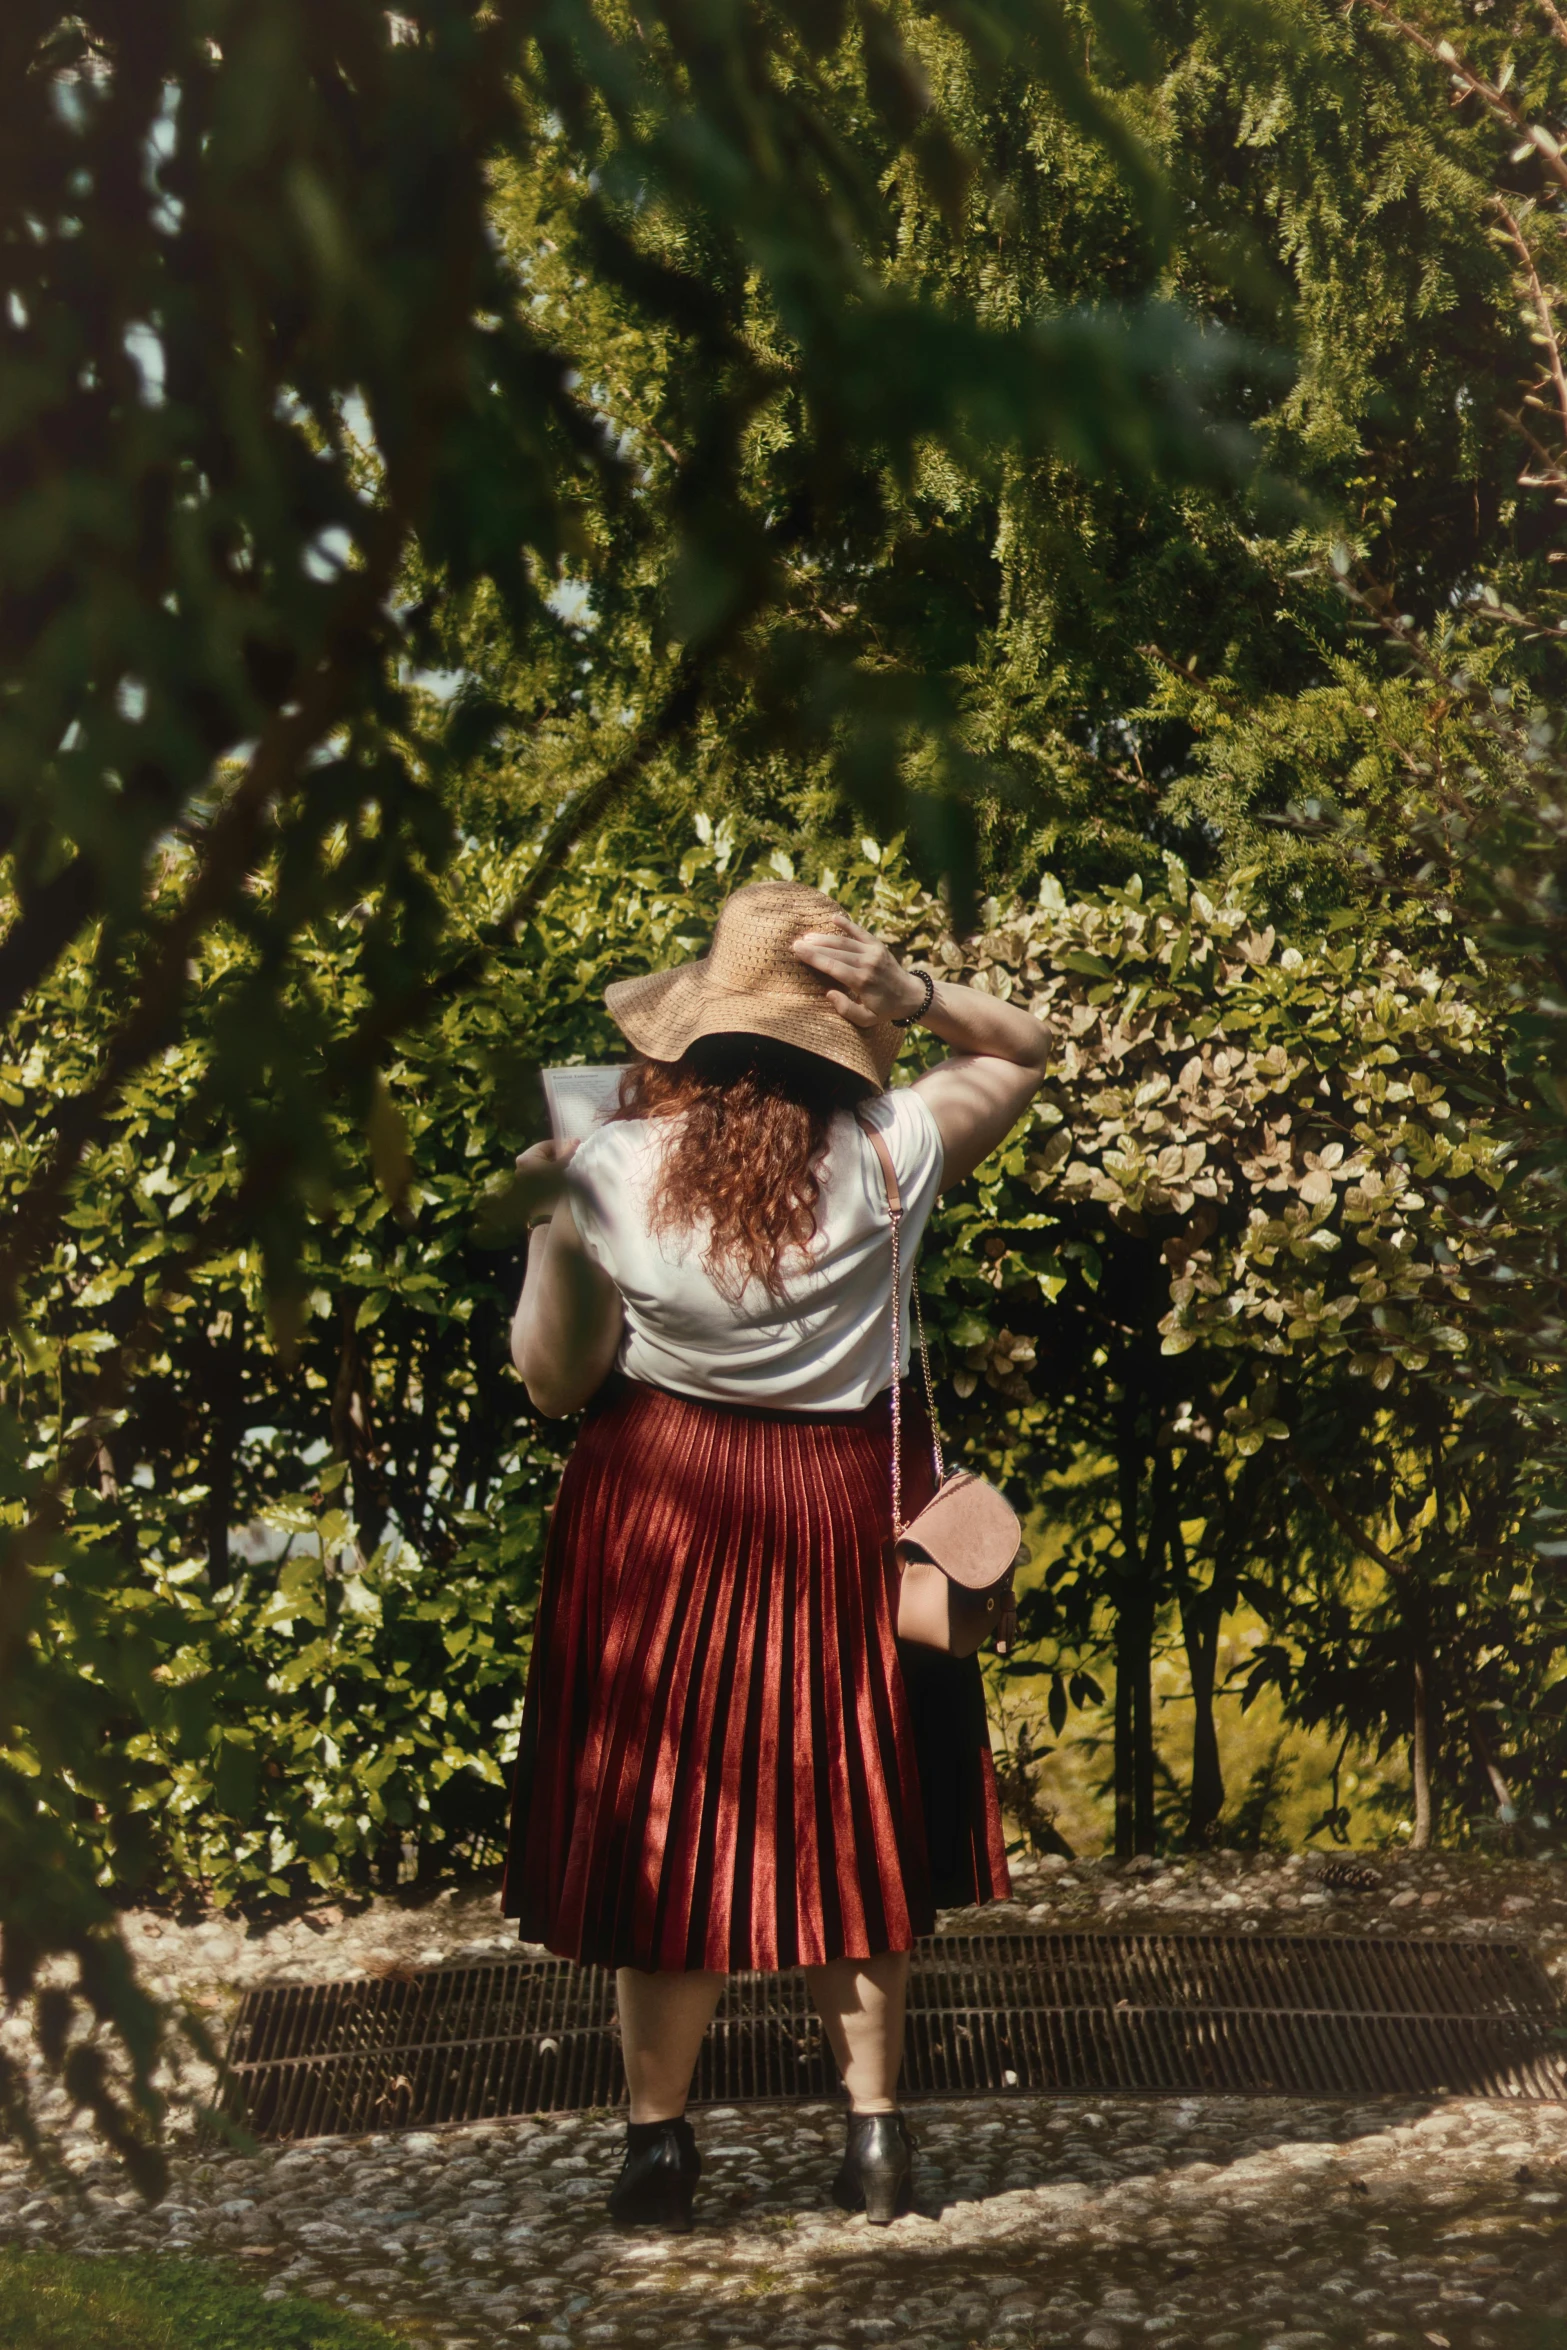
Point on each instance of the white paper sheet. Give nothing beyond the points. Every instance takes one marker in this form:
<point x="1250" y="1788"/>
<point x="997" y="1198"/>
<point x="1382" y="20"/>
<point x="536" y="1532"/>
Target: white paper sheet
<point x="579" y="1098"/>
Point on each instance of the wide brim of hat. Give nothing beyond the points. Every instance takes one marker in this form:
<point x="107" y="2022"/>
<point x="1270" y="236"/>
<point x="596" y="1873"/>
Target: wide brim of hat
<point x="665" y="1013"/>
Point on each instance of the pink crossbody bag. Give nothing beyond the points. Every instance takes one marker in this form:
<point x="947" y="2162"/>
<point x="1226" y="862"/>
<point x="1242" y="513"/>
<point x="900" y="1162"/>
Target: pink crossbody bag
<point x="955" y="1557"/>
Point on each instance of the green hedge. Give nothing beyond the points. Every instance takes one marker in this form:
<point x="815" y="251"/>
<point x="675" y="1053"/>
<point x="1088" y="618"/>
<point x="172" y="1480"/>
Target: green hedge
<point x="315" y="1531"/>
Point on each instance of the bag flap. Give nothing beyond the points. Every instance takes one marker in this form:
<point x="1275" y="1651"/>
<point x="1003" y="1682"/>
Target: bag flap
<point x="970" y="1530"/>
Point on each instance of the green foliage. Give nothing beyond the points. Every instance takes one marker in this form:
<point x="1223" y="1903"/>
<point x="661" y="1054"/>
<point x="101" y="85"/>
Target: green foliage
<point x="1257" y="1112"/>
<point x="1464" y="706"/>
<point x="282" y="1643"/>
<point x="1205" y="1238"/>
<point x="54" y="2301"/>
<point x="1257" y="1180"/>
<point x="317" y="1658"/>
<point x="283" y="412"/>
<point x="433" y="429"/>
<point x="1136" y="658"/>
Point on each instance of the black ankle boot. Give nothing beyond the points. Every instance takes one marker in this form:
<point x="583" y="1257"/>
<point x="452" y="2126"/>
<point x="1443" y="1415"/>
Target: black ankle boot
<point x="658" y="2177"/>
<point x="878" y="2168"/>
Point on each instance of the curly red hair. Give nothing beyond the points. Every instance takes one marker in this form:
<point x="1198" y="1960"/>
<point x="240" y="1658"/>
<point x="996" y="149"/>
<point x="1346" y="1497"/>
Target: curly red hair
<point x="744" y="1165"/>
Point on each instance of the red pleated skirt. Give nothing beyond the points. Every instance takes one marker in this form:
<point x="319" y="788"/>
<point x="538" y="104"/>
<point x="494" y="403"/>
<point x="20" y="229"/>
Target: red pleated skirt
<point x="725" y="1761"/>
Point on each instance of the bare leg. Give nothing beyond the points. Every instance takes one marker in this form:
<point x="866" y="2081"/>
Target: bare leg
<point x="662" y="2019"/>
<point x="861" y="2002"/>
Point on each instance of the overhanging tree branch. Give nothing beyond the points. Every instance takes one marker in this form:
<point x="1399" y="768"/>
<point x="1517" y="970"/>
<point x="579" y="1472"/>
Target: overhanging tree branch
<point x="1469" y="78"/>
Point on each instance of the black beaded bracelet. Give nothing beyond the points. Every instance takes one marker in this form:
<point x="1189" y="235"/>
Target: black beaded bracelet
<point x="929" y="986"/>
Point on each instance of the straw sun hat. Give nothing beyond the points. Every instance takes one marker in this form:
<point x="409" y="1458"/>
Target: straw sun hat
<point x="751" y="984"/>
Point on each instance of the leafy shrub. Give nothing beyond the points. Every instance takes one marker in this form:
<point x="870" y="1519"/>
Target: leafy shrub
<point x="337" y="1514"/>
<point x="333" y="1488"/>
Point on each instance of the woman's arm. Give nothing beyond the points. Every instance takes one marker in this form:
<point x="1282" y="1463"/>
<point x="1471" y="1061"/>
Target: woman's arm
<point x="999" y="1052"/>
<point x="565" y="1333"/>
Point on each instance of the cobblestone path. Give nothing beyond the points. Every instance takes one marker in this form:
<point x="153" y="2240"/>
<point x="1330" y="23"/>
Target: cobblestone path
<point x="1230" y="2223"/>
<point x="1083" y="2223"/>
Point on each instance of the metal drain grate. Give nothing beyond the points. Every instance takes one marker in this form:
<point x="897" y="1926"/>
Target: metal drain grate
<point x="1269" y="2015"/>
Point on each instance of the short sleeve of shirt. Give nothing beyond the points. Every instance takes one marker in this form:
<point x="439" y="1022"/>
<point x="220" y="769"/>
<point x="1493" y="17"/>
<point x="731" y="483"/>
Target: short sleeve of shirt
<point x="593" y="1187"/>
<point x="914" y="1139"/>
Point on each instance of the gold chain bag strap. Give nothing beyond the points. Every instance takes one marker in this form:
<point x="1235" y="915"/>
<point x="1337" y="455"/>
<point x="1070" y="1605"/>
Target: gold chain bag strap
<point x="956" y="1556"/>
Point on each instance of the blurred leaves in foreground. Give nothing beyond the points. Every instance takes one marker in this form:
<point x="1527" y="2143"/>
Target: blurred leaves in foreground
<point x="902" y="472"/>
<point x="279" y="396"/>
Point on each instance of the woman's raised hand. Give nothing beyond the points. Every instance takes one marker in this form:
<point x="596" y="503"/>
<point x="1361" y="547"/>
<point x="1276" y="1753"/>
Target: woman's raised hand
<point x="997" y="1052"/>
<point x="869" y="983"/>
<point x="541" y="1178"/>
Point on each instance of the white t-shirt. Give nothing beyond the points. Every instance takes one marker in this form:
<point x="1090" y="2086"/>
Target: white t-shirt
<point x="826" y="1346"/>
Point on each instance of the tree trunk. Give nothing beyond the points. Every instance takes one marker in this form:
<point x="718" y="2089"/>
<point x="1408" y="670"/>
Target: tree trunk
<point x="1125" y="1673"/>
<point x="1134" y="1756"/>
<point x="1201" y="1616"/>
<point x="1506" y="1803"/>
<point x="1136" y="1622"/>
<point x="226" y="1408"/>
<point x="354" y="1435"/>
<point x="431" y="1369"/>
<point x="1161" y="1506"/>
<point x="1135" y="1657"/>
<point x="1130" y="1665"/>
<point x="1420" y="1758"/>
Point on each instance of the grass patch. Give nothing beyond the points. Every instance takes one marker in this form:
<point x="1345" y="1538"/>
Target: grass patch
<point x="57" y="2301"/>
